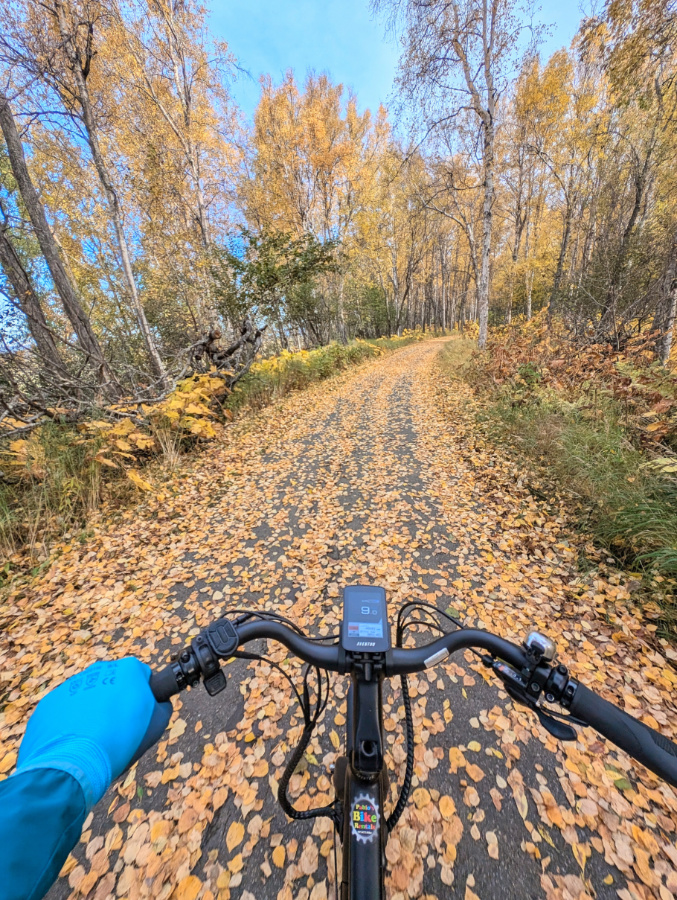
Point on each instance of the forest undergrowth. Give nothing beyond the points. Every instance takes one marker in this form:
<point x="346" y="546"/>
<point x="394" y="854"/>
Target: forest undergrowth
<point x="58" y="477"/>
<point x="594" y="426"/>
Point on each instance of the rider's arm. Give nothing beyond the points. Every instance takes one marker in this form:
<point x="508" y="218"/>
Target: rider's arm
<point x="81" y="737"/>
<point x="43" y="813"/>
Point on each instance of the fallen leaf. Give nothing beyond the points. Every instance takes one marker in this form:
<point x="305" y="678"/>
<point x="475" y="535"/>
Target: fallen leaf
<point x="188" y="888"/>
<point x="447" y="807"/>
<point x="234" y="835"/>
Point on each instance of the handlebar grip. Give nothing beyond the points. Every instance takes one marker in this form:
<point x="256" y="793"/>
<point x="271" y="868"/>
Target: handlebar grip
<point x="163" y="684"/>
<point x="646" y="745"/>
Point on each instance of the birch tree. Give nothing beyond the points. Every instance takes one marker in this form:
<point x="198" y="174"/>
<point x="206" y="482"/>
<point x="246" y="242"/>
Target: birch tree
<point x="459" y="55"/>
<point x="59" y="46"/>
<point x="63" y="283"/>
<point x="76" y="24"/>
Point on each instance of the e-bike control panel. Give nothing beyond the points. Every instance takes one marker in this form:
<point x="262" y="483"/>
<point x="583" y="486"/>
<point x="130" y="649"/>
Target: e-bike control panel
<point x="365" y="627"/>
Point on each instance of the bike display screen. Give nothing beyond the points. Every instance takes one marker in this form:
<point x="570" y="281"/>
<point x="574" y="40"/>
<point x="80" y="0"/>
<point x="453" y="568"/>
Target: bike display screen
<point x="365" y="625"/>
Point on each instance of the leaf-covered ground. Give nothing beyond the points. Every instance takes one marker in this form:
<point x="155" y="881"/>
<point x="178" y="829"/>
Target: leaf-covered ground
<point x="375" y="476"/>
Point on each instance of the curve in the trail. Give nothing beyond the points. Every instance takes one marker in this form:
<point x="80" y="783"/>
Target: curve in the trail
<point x="370" y="477"/>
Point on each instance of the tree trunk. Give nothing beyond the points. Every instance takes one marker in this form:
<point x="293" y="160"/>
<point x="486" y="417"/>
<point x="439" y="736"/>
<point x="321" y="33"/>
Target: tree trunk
<point x="444" y="304"/>
<point x="665" y="317"/>
<point x="520" y="221"/>
<point x="669" y="328"/>
<point x="343" y="335"/>
<point x="80" y="73"/>
<point x="562" y="257"/>
<point x="30" y="307"/>
<point x="487" y="222"/>
<point x="621" y="257"/>
<point x="183" y="90"/>
<point x="66" y="290"/>
<point x="529" y="286"/>
<point x="183" y="87"/>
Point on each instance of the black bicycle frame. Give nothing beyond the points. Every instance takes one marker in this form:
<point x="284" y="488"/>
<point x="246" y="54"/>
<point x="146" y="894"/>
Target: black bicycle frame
<point x="365" y="789"/>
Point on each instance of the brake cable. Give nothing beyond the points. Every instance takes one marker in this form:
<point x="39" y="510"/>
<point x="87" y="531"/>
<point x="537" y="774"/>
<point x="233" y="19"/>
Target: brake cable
<point x="310" y="717"/>
<point x="394" y="816"/>
<point x="242" y="615"/>
<point x="310" y="720"/>
<point x="405" y="790"/>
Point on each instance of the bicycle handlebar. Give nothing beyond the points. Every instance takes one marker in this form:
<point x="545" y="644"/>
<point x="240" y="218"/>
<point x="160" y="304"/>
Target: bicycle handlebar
<point x="397" y="661"/>
<point x="164" y="683"/>
<point x="646" y="745"/>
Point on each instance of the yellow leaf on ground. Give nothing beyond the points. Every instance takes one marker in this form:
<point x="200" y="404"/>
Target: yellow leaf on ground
<point x="234" y="835"/>
<point x="471" y="797"/>
<point x="188" y="818"/>
<point x="188" y="888"/>
<point x="159" y="830"/>
<point x="278" y="856"/>
<point x="261" y="768"/>
<point x="170" y="774"/>
<point x="447" y="807"/>
<point x="456" y="759"/>
<point x="475" y="772"/>
<point x="236" y="863"/>
<point x="177" y="730"/>
<point x="421" y="798"/>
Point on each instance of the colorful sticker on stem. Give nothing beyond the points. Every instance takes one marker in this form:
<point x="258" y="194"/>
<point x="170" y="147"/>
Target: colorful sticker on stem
<point x="364" y="818"/>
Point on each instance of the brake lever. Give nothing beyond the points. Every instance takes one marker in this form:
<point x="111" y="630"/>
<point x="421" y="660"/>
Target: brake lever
<point x="557" y="729"/>
<point x="516" y="688"/>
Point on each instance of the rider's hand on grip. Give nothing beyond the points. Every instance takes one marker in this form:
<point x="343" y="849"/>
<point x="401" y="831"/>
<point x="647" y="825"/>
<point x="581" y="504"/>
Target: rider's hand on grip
<point x="95" y="725"/>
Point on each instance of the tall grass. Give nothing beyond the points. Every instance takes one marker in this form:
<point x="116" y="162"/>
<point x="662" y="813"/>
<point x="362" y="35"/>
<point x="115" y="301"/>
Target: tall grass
<point x="455" y="356"/>
<point x="57" y="490"/>
<point x="630" y="508"/>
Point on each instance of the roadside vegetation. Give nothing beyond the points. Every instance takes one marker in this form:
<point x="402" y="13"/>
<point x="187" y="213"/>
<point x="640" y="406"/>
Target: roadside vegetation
<point x="273" y="378"/>
<point x="594" y="425"/>
<point x="58" y="477"/>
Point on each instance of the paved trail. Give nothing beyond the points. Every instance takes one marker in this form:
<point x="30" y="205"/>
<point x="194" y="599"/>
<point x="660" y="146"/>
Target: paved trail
<point x="367" y="478"/>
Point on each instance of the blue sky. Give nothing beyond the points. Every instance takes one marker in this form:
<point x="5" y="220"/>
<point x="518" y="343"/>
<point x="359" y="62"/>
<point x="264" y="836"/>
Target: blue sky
<point x="337" y="36"/>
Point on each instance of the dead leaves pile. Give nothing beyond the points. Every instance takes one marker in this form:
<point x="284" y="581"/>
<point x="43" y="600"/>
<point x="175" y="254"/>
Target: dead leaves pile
<point x="540" y="354"/>
<point x="376" y="476"/>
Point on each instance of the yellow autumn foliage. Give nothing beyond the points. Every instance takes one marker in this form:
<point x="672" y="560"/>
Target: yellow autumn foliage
<point x="185" y="412"/>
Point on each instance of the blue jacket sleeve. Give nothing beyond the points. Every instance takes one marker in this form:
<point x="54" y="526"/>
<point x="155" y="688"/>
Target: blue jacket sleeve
<point x="42" y="816"/>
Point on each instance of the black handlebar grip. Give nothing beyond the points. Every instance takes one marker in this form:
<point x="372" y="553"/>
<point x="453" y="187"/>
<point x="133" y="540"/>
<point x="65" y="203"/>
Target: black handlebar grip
<point x="647" y="746"/>
<point x="163" y="684"/>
